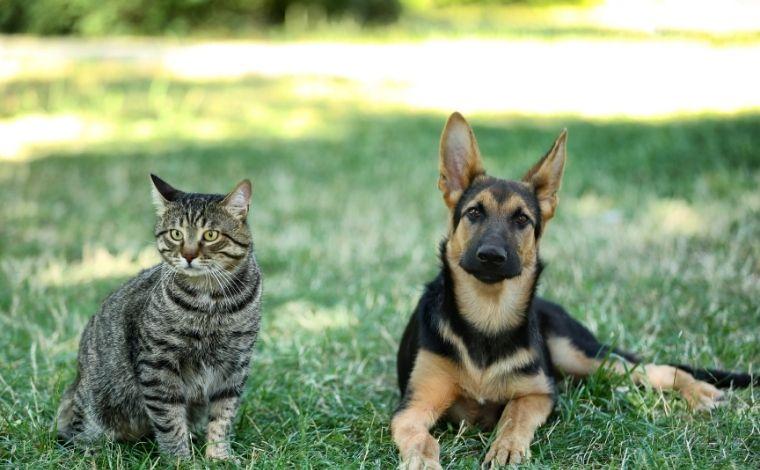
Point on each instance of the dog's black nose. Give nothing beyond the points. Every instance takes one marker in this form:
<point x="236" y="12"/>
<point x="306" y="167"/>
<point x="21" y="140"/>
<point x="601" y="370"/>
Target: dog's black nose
<point x="491" y="254"/>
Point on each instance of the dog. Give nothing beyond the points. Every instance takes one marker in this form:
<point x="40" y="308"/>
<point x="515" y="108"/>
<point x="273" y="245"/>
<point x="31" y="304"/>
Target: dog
<point x="481" y="346"/>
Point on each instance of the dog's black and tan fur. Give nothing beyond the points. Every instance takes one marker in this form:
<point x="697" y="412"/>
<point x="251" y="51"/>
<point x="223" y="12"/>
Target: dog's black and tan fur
<point x="480" y="346"/>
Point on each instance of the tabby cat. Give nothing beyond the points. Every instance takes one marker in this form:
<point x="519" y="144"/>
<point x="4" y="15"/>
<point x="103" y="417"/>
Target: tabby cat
<point x="169" y="350"/>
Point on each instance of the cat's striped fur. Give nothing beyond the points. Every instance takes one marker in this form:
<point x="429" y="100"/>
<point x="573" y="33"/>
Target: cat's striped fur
<point x="169" y="351"/>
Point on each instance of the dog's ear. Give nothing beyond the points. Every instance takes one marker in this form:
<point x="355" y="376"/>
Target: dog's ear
<point x="546" y="176"/>
<point x="459" y="159"/>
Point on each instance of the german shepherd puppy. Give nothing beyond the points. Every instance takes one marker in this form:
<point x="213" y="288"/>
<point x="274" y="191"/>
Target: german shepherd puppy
<point x="480" y="346"/>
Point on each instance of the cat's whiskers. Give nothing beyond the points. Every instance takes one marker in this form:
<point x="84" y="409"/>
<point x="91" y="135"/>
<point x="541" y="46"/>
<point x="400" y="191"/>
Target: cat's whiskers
<point x="229" y="279"/>
<point x="235" y="281"/>
<point x="164" y="275"/>
<point x="216" y="277"/>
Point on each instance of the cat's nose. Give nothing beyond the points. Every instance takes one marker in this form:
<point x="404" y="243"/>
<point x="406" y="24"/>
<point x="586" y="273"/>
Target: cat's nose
<point x="189" y="256"/>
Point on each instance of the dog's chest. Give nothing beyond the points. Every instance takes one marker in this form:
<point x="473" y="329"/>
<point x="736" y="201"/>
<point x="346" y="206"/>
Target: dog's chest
<point x="487" y="376"/>
<point x="493" y="382"/>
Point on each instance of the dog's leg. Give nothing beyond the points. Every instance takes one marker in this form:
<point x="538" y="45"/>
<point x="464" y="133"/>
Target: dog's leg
<point x="431" y="391"/>
<point x="514" y="432"/>
<point x="698" y="394"/>
<point x="571" y="360"/>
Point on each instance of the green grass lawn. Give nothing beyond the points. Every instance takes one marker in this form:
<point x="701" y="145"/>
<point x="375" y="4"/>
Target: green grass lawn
<point x="655" y="247"/>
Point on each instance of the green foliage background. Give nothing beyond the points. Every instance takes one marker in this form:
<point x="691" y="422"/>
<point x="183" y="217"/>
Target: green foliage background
<point x="95" y="17"/>
<point x="180" y="17"/>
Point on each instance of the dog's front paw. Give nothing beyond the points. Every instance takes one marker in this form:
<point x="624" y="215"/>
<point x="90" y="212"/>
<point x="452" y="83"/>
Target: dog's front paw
<point x="421" y="453"/>
<point x="507" y="451"/>
<point x="417" y="461"/>
<point x="702" y="396"/>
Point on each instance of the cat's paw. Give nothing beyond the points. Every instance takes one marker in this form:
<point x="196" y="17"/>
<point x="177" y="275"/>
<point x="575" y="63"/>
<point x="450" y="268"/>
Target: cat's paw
<point x="180" y="453"/>
<point x="702" y="396"/>
<point x="218" y="452"/>
<point x="181" y="450"/>
<point x="507" y="451"/>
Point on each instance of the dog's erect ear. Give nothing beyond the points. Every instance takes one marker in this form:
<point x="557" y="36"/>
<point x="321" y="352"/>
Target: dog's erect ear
<point x="238" y="200"/>
<point x="459" y="159"/>
<point x="546" y="176"/>
<point x="163" y="193"/>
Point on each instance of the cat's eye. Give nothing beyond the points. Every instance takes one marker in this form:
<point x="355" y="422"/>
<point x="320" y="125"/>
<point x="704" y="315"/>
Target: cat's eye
<point x="175" y="235"/>
<point x="210" y="235"/>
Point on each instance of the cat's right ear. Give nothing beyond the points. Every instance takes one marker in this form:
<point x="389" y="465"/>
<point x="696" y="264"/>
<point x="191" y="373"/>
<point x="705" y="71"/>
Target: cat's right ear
<point x="163" y="193"/>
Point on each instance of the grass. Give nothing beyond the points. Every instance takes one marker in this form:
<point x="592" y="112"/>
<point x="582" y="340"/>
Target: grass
<point x="655" y="247"/>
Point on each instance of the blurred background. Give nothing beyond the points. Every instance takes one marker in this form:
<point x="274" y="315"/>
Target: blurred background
<point x="334" y="108"/>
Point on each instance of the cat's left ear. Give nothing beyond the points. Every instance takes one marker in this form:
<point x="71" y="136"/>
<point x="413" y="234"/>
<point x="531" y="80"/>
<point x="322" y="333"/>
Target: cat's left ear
<point x="238" y="200"/>
<point x="163" y="193"/>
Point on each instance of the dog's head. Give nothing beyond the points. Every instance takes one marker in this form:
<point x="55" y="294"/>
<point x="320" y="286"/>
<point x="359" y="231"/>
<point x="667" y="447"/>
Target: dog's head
<point x="496" y="224"/>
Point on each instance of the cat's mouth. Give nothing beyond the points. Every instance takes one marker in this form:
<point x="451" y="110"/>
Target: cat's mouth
<point x="192" y="272"/>
<point x="193" y="269"/>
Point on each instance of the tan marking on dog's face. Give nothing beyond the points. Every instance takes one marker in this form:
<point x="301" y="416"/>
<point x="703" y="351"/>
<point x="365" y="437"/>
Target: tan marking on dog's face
<point x="492" y="307"/>
<point x="499" y="212"/>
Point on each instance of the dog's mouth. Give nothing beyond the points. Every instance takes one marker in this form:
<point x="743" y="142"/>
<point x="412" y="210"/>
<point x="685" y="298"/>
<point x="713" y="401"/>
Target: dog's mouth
<point x="488" y="276"/>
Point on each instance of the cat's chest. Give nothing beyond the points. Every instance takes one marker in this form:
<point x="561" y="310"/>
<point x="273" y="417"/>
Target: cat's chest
<point x="203" y="380"/>
<point x="206" y="365"/>
<point x="207" y="303"/>
<point x="221" y="312"/>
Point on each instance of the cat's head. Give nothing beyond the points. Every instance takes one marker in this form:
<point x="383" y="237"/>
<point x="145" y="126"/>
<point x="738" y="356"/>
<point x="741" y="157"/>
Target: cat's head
<point x="200" y="234"/>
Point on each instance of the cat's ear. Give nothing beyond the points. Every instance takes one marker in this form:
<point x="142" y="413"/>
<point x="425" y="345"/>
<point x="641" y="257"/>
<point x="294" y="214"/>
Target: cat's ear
<point x="238" y="200"/>
<point x="163" y="193"/>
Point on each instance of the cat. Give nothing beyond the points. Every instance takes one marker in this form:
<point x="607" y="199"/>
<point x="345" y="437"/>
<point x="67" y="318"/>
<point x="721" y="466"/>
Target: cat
<point x="170" y="349"/>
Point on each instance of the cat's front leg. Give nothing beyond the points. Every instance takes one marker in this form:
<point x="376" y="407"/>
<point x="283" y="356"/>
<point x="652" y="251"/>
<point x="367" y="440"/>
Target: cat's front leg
<point x="165" y="405"/>
<point x="223" y="406"/>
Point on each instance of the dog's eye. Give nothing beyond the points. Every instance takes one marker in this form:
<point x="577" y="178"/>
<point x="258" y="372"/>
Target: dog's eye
<point x="474" y="213"/>
<point x="521" y="220"/>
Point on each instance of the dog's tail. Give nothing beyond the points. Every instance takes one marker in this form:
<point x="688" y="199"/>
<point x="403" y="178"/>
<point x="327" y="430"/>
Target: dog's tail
<point x="721" y="378"/>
